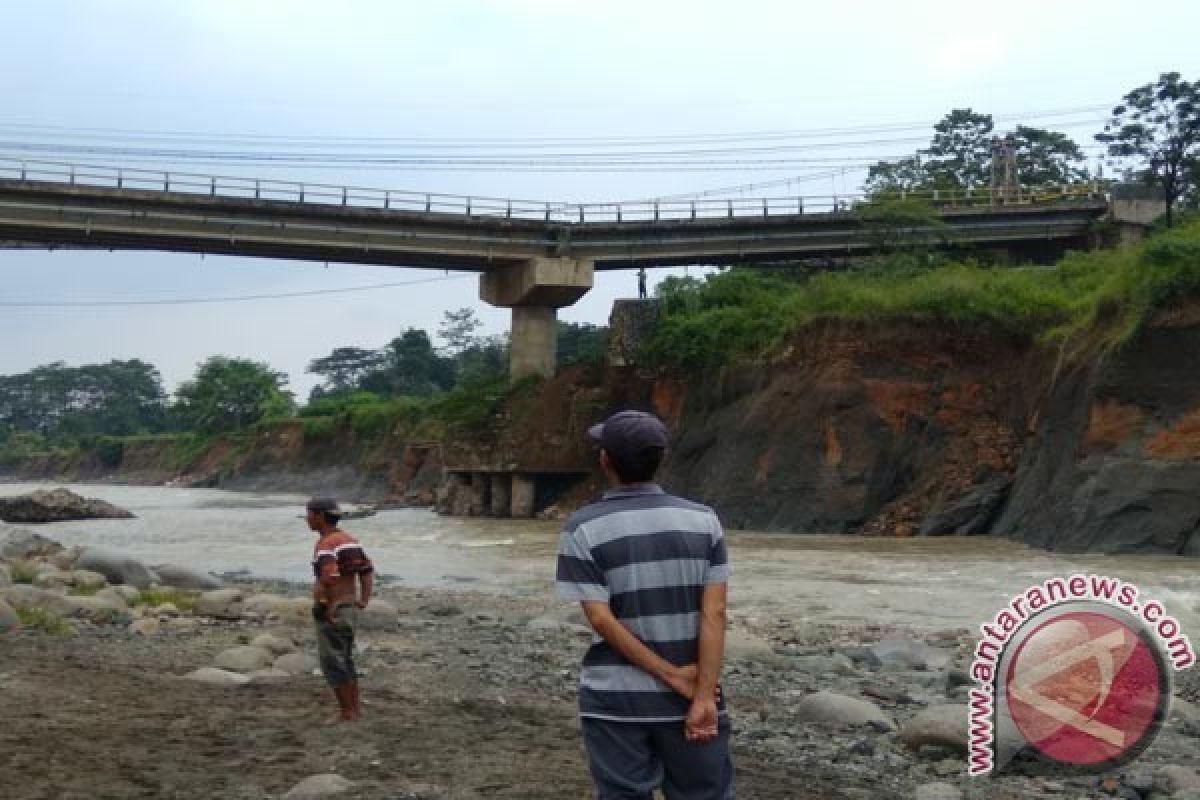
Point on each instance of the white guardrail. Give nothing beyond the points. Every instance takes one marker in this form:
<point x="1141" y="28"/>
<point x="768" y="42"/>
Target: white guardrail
<point x="469" y="205"/>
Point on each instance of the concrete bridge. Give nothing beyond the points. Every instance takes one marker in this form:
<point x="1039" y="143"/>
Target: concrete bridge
<point x="532" y="257"/>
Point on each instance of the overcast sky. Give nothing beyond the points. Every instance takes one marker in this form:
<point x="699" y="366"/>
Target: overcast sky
<point x="500" y="68"/>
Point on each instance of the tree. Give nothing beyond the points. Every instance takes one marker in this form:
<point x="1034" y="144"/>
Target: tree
<point x="894" y="177"/>
<point x="581" y="343"/>
<point x="410" y="366"/>
<point x="458" y="330"/>
<point x="345" y="367"/>
<point x="229" y="394"/>
<point x="960" y="154"/>
<point x="1158" y="124"/>
<point x="1046" y="158"/>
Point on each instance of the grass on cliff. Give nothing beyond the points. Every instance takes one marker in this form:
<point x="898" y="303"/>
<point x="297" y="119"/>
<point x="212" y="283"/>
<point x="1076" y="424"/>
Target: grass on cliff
<point x="749" y="312"/>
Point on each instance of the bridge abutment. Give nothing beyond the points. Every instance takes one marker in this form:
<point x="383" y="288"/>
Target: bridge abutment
<point x="534" y="290"/>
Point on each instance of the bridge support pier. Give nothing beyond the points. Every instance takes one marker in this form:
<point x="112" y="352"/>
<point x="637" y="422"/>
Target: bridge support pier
<point x="534" y="290"/>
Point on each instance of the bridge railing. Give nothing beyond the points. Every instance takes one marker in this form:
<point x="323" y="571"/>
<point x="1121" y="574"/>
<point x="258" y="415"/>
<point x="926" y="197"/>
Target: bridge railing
<point x="649" y="210"/>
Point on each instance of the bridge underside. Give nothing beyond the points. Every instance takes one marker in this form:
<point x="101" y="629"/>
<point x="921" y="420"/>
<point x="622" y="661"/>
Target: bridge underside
<point x="531" y="266"/>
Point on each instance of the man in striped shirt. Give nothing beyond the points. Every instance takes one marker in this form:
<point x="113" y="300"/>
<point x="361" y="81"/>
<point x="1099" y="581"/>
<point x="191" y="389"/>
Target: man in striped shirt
<point x="650" y="570"/>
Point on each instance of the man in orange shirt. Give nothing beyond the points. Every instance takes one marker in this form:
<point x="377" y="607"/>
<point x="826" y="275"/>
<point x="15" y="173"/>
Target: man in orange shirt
<point x="344" y="578"/>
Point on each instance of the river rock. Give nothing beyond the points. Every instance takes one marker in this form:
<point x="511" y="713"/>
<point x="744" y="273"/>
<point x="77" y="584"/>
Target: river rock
<point x="260" y="604"/>
<point x="117" y="567"/>
<point x="184" y="578"/>
<point x="217" y="677"/>
<point x="100" y="609"/>
<point x="246" y="658"/>
<point x="26" y="596"/>
<point x="741" y="644"/>
<point x="316" y="787"/>
<point x="906" y="653"/>
<point x="937" y="791"/>
<point x="941" y="726"/>
<point x="51" y="578"/>
<point x="830" y="710"/>
<point x="67" y="558"/>
<point x="221" y="604"/>
<point x="1174" y="778"/>
<point x="87" y="580"/>
<point x="117" y="597"/>
<point x="165" y="610"/>
<point x="268" y="675"/>
<point x="57" y="505"/>
<point x="9" y="621"/>
<point x="296" y="663"/>
<point x="292" y="611"/>
<point x="276" y="645"/>
<point x="18" y="543"/>
<point x="147" y="626"/>
<point x="356" y="510"/>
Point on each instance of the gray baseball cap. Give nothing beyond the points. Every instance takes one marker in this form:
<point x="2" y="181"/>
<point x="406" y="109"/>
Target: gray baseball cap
<point x="627" y="433"/>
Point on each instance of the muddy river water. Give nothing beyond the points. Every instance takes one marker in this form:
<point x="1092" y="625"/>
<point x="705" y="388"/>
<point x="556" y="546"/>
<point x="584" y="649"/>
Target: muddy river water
<point x="923" y="583"/>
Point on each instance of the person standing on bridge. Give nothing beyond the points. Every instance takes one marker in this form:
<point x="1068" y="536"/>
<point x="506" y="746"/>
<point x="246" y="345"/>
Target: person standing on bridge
<point x="642" y="283"/>
<point x="344" y="578"/>
<point x="650" y="570"/>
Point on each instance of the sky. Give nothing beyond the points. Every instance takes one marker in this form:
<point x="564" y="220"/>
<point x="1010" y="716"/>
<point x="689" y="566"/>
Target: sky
<point x="499" y="69"/>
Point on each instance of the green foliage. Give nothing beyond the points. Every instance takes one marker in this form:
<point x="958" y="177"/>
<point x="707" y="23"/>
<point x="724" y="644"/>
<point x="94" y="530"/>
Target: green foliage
<point x="181" y="599"/>
<point x="745" y="313"/>
<point x="45" y="621"/>
<point x="22" y="571"/>
<point x="471" y="407"/>
<point x="365" y="413"/>
<point x="896" y="224"/>
<point x="345" y="367"/>
<point x="1157" y="127"/>
<point x="581" y="344"/>
<point x="231" y="394"/>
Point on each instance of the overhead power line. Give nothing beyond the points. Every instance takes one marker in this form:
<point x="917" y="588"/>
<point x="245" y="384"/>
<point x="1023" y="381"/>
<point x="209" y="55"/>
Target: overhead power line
<point x="228" y="299"/>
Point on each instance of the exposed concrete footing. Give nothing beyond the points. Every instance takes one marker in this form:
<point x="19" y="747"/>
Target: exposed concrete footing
<point x="496" y="493"/>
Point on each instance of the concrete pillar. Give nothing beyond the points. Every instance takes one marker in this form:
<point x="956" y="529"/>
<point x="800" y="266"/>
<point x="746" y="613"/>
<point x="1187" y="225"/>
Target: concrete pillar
<point x="477" y="491"/>
<point x="534" y="345"/>
<point x="522" y="496"/>
<point x="501" y="495"/>
<point x="533" y="290"/>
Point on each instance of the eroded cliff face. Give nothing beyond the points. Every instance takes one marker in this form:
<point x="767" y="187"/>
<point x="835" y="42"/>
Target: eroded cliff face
<point x="1113" y="461"/>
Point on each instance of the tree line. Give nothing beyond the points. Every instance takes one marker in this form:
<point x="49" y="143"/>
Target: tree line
<point x="61" y="406"/>
<point x="1152" y="137"/>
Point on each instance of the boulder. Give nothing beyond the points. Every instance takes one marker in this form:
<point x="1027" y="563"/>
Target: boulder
<point x="906" y="653"/>
<point x="18" y="543"/>
<point x="296" y="663"/>
<point x="356" y="510"/>
<point x="100" y="609"/>
<point x="316" y="787"/>
<point x="940" y="726"/>
<point x="127" y="593"/>
<point x="292" y="610"/>
<point x="217" y="677"/>
<point x="25" y="596"/>
<point x="52" y="578"/>
<point x="741" y="644"/>
<point x="9" y="621"/>
<point x="56" y="505"/>
<point x="67" y="558"/>
<point x="116" y="567"/>
<point x="86" y="579"/>
<point x="260" y="604"/>
<point x="114" y="596"/>
<point x="269" y="675"/>
<point x="246" y="658"/>
<point x="830" y="710"/>
<point x="220" y="603"/>
<point x="276" y="645"/>
<point x="184" y="578"/>
<point x="165" y="610"/>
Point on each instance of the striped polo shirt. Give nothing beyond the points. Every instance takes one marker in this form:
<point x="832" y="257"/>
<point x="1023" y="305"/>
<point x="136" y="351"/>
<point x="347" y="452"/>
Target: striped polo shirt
<point x="649" y="555"/>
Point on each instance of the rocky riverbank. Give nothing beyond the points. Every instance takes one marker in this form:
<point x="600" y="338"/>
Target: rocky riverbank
<point x="173" y="693"/>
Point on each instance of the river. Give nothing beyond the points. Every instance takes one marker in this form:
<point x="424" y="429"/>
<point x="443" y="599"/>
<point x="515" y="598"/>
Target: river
<point x="922" y="583"/>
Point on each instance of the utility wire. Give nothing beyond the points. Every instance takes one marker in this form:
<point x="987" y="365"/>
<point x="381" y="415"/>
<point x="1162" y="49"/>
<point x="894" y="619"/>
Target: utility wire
<point x="233" y="299"/>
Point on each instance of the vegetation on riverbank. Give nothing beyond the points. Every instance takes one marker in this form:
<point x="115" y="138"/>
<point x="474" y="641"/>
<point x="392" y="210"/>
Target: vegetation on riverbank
<point x="1107" y="294"/>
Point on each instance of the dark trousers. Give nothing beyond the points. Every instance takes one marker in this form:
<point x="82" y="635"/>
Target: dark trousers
<point x="629" y="760"/>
